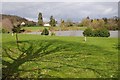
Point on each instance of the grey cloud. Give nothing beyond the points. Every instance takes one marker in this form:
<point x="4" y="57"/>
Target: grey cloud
<point x="60" y="0"/>
<point x="64" y="10"/>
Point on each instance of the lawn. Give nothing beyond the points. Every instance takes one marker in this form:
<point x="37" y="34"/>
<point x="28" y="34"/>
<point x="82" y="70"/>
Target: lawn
<point x="40" y="28"/>
<point x="59" y="57"/>
<point x="34" y="28"/>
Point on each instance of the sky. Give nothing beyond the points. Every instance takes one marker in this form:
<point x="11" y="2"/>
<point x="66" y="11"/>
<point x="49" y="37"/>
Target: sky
<point x="74" y="11"/>
<point x="60" y="0"/>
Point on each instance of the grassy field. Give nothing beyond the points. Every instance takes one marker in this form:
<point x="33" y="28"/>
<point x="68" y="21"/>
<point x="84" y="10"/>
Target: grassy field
<point x="60" y="57"/>
<point x="34" y="28"/>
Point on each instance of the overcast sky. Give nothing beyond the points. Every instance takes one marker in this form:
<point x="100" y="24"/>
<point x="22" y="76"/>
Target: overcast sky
<point x="61" y="10"/>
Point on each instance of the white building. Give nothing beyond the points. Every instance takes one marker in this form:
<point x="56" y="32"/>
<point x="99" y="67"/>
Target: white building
<point x="47" y="24"/>
<point x="23" y="23"/>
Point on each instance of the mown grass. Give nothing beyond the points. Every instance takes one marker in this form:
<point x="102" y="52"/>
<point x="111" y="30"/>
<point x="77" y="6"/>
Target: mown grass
<point x="61" y="57"/>
<point x="40" y="28"/>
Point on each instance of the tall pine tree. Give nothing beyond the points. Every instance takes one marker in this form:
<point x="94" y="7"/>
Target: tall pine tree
<point x="40" y="19"/>
<point x="52" y="21"/>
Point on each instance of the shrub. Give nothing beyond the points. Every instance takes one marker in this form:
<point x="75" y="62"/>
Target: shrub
<point x="16" y="28"/>
<point x="88" y="32"/>
<point x="103" y="32"/>
<point x="4" y="31"/>
<point x="45" y="32"/>
<point x="96" y="33"/>
<point x="52" y="34"/>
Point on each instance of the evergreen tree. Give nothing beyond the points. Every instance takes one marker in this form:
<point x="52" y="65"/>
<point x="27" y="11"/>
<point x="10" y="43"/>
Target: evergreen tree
<point x="40" y="19"/>
<point x="45" y="32"/>
<point x="52" y="21"/>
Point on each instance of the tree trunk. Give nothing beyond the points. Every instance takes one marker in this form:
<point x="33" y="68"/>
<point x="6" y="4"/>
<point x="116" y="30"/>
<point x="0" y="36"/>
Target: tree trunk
<point x="17" y="40"/>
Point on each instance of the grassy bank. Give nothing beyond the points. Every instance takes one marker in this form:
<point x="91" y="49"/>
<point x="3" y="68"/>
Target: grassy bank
<point x="40" y="28"/>
<point x="60" y="57"/>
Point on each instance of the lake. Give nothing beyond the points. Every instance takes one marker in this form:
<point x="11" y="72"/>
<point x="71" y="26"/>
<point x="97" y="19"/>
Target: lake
<point x="75" y="33"/>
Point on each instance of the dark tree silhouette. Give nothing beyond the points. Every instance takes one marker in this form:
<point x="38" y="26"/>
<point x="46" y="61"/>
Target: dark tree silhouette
<point x="40" y="19"/>
<point x="52" y="21"/>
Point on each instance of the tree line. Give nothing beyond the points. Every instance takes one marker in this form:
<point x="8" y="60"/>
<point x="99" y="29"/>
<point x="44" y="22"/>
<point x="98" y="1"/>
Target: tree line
<point x="52" y="21"/>
<point x="108" y="23"/>
<point x="8" y="22"/>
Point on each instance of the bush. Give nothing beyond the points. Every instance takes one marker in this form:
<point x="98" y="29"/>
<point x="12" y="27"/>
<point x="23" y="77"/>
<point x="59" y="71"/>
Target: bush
<point x="52" y="34"/>
<point x="88" y="32"/>
<point x="16" y="28"/>
<point x="3" y="31"/>
<point x="96" y="33"/>
<point x="45" y="32"/>
<point x="102" y="32"/>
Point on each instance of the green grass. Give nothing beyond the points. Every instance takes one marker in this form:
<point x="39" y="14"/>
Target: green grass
<point x="40" y="28"/>
<point x="34" y="28"/>
<point x="63" y="57"/>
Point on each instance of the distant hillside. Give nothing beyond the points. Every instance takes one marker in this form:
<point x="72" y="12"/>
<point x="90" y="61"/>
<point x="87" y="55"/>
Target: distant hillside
<point x="9" y="20"/>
